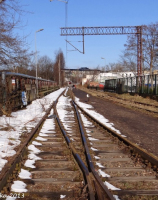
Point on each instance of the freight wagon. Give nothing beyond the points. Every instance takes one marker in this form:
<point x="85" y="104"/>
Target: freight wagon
<point x="18" y="90"/>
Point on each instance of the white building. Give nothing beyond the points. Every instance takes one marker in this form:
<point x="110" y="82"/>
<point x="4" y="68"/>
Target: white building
<point x="101" y="77"/>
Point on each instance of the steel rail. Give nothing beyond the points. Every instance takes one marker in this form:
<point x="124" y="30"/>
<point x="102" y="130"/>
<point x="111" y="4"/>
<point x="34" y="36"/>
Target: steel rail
<point x="77" y="158"/>
<point x="89" y="159"/>
<point x="9" y="168"/>
<point x="136" y="149"/>
<point x="15" y="160"/>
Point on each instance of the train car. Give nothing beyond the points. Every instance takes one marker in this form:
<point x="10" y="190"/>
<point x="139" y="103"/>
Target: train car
<point x="18" y="90"/>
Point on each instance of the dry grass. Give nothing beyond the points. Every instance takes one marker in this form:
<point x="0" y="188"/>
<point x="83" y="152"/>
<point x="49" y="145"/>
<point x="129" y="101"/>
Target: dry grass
<point x="127" y="96"/>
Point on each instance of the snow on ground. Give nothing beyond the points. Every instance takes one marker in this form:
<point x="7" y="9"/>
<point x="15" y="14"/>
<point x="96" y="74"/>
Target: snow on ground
<point x="99" y="165"/>
<point x="63" y="107"/>
<point x="66" y="91"/>
<point x="18" y="186"/>
<point x="103" y="174"/>
<point x="41" y="138"/>
<point x="30" y="163"/>
<point x="94" y="149"/>
<point x="96" y="115"/>
<point x="36" y="143"/>
<point x="116" y="197"/>
<point x="32" y="156"/>
<point x="96" y="157"/>
<point x="11" y="128"/>
<point x="24" y="120"/>
<point x="62" y="196"/>
<point x="92" y="139"/>
<point x="48" y="126"/>
<point x="24" y="174"/>
<point x="111" y="187"/>
<point x="11" y="198"/>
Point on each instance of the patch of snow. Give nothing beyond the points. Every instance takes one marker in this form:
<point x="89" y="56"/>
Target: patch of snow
<point x="29" y="163"/>
<point x="110" y="186"/>
<point x="2" y="163"/>
<point x="116" y="197"/>
<point x="97" y="116"/>
<point x="32" y="156"/>
<point x="62" y="196"/>
<point x="63" y="106"/>
<point x="40" y="139"/>
<point x="11" y="198"/>
<point x="90" y="138"/>
<point x="94" y="149"/>
<point x="123" y="136"/>
<point x="100" y="165"/>
<point x="88" y="131"/>
<point x="25" y="174"/>
<point x="96" y="157"/>
<point x="36" y="143"/>
<point x="103" y="174"/>
<point x="18" y="186"/>
<point x="33" y="149"/>
<point x="43" y="134"/>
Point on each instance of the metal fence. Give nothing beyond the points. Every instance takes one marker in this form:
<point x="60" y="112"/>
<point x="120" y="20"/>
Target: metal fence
<point x="147" y="84"/>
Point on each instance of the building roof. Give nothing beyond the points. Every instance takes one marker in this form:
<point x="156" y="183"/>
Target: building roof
<point x="82" y="69"/>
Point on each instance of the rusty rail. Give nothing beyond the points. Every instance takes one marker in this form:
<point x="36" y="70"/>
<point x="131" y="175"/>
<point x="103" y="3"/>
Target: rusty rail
<point x="9" y="168"/>
<point x="90" y="163"/>
<point x="15" y="160"/>
<point x="136" y="149"/>
<point x="77" y="158"/>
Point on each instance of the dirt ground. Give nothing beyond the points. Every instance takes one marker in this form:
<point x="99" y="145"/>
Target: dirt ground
<point x="139" y="127"/>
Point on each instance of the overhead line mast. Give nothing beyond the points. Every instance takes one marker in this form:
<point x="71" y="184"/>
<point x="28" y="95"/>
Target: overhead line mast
<point x="109" y="30"/>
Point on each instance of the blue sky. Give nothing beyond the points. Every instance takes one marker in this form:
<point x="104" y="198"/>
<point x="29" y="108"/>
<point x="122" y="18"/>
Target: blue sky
<point x="51" y="16"/>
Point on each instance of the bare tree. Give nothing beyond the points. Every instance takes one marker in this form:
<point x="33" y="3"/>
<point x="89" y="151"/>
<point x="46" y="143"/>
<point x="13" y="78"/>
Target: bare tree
<point x="11" y="45"/>
<point x="149" y="45"/>
<point x="59" y="65"/>
<point x="128" y="61"/>
<point x="115" y="67"/>
<point x="45" y="67"/>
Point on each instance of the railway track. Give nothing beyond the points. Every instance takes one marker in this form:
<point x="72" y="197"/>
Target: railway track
<point x="46" y="169"/>
<point x="74" y="156"/>
<point x="127" y="170"/>
<point x="148" y="107"/>
<point x="140" y="105"/>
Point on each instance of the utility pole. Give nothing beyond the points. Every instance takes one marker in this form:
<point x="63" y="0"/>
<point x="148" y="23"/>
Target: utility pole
<point x="66" y="16"/>
<point x="36" y="61"/>
<point x="59" y="69"/>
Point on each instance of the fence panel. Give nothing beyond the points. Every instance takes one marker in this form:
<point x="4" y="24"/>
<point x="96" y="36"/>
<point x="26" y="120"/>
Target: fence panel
<point x="147" y="84"/>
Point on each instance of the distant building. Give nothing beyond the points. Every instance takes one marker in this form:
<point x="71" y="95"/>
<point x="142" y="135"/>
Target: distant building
<point x="101" y="77"/>
<point x="76" y="75"/>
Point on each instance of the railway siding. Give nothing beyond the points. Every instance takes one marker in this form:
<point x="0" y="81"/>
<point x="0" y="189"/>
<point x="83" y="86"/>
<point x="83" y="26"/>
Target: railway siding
<point x="123" y="171"/>
<point x="138" y="126"/>
<point x="144" y="104"/>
